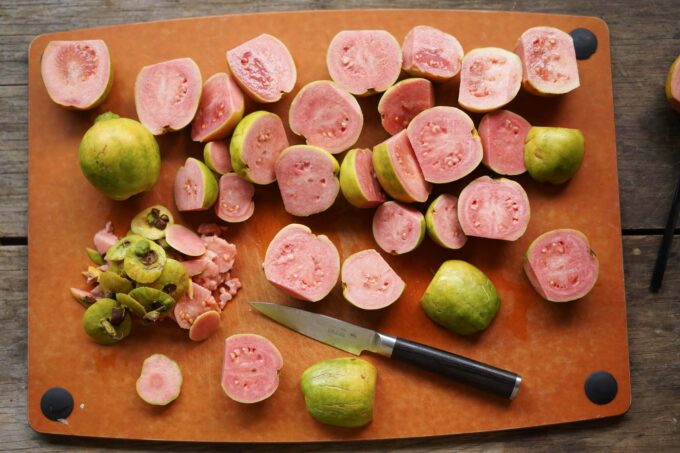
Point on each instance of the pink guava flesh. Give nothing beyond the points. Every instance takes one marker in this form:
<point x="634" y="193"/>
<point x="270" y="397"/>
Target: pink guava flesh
<point x="673" y="90"/>
<point x="250" y="371"/>
<point x="189" y="186"/>
<point x="160" y="381"/>
<point x="188" y="308"/>
<point x="184" y="240"/>
<point x="369" y="282"/>
<point x="368" y="183"/>
<point x="397" y="228"/>
<point x="445" y="222"/>
<point x="561" y="266"/>
<point x="76" y="73"/>
<point x="220" y="109"/>
<point x="224" y="252"/>
<point x="364" y="61"/>
<point x="263" y="67"/>
<point x="489" y="79"/>
<point x="262" y="146"/>
<point x="302" y="264"/>
<point x="494" y="209"/>
<point x="445" y="144"/>
<point x="406" y="169"/>
<point x="549" y="61"/>
<point x="196" y="266"/>
<point x="429" y="52"/>
<point x="104" y="238"/>
<point x="326" y="116"/>
<point x="235" y="201"/>
<point x="403" y="101"/>
<point x="204" y="325"/>
<point x="503" y="133"/>
<point x="219" y="156"/>
<point x="307" y="179"/>
<point x="167" y="94"/>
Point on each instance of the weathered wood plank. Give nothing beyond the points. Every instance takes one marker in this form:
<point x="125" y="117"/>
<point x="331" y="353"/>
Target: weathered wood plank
<point x="651" y="423"/>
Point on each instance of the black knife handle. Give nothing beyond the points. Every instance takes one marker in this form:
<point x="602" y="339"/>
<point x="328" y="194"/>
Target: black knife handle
<point x="468" y="371"/>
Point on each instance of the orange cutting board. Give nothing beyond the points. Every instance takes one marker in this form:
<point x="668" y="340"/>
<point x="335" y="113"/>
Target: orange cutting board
<point x="553" y="346"/>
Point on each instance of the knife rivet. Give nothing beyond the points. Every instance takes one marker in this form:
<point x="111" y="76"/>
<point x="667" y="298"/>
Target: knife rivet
<point x="56" y="403"/>
<point x="601" y="387"/>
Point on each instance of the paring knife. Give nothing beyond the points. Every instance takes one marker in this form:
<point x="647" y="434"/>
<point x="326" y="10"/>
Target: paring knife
<point x="355" y="339"/>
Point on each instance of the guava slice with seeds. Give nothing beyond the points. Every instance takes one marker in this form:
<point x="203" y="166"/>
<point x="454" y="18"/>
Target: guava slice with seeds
<point x="77" y="74"/>
<point x="160" y="381"/>
<point x="216" y="156"/>
<point x="358" y="182"/>
<point x="191" y="306"/>
<point x="251" y="367"/>
<point x="403" y="101"/>
<point x="235" y="201"/>
<point x="398" y="228"/>
<point x="490" y="78"/>
<point x="195" y="186"/>
<point x="442" y="222"/>
<point x="369" y="282"/>
<point x="167" y="94"/>
<point x="503" y="133"/>
<point x="430" y="53"/>
<point x="219" y="110"/>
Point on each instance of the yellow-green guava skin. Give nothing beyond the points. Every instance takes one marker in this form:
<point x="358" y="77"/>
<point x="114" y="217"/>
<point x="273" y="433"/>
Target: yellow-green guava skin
<point x="553" y="154"/>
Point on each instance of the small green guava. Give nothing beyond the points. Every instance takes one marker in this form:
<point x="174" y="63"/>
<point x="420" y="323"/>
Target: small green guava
<point x="461" y="298"/>
<point x="107" y="322"/>
<point x="340" y="392"/>
<point x="144" y="261"/>
<point x="151" y="222"/>
<point x="553" y="154"/>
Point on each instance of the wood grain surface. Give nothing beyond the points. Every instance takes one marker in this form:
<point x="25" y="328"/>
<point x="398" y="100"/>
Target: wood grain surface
<point x="645" y="38"/>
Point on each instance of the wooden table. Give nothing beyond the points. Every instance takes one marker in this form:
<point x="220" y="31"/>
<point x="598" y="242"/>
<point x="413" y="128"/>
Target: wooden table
<point x="645" y="37"/>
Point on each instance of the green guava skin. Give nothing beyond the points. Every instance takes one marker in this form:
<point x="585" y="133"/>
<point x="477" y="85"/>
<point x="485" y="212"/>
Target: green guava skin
<point x="119" y="157"/>
<point x="553" y="154"/>
<point x="236" y="145"/>
<point x="386" y="175"/>
<point x="340" y="392"/>
<point x="101" y="311"/>
<point x="461" y="298"/>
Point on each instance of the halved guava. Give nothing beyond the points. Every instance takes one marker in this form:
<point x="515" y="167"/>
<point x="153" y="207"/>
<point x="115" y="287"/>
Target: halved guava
<point x="193" y="304"/>
<point x="673" y="84"/>
<point x="235" y="201"/>
<point x="364" y="62"/>
<point x="195" y="186"/>
<point x="358" y="183"/>
<point x="263" y="67"/>
<point x="429" y="52"/>
<point x="494" y="209"/>
<point x="167" y="95"/>
<point x="442" y="222"/>
<point x="104" y="239"/>
<point x="220" y="109"/>
<point x="489" y="79"/>
<point x="503" y="133"/>
<point x="326" y="116"/>
<point x="445" y="143"/>
<point x="302" y="264"/>
<point x="77" y="74"/>
<point x="403" y="101"/>
<point x="205" y="325"/>
<point x="397" y="169"/>
<point x="160" y="381"/>
<point x="561" y="266"/>
<point x="184" y="240"/>
<point x="368" y="282"/>
<point x="258" y="140"/>
<point x="308" y="179"/>
<point x="549" y="61"/>
<point x="250" y="371"/>
<point x="397" y="228"/>
<point x="216" y="156"/>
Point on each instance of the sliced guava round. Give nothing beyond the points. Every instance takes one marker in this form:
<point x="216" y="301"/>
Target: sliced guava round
<point x="445" y="144"/>
<point x="77" y="74"/>
<point x="193" y="304"/>
<point x="258" y="140"/>
<point x="326" y="116"/>
<point x="494" y="209"/>
<point x="358" y="183"/>
<point x="220" y="109"/>
<point x="403" y="101"/>
<point x="442" y="222"/>
<point x="369" y="282"/>
<point x="503" y="133"/>
<point x="144" y="261"/>
<point x="152" y="222"/>
<point x="397" y="228"/>
<point x="429" y="52"/>
<point x="167" y="95"/>
<point x="561" y="266"/>
<point x="263" y="67"/>
<point x="364" y="62"/>
<point x="549" y="61"/>
<point x="308" y="179"/>
<point x="235" y="201"/>
<point x="160" y="381"/>
<point x="250" y="371"/>
<point x="490" y="78"/>
<point x="107" y="322"/>
<point x="205" y="325"/>
<point x="118" y="250"/>
<point x="195" y="186"/>
<point x="397" y="170"/>
<point x="673" y="84"/>
<point x="302" y="264"/>
<point x="553" y="154"/>
<point x="184" y="240"/>
<point x="174" y="279"/>
<point x="216" y="156"/>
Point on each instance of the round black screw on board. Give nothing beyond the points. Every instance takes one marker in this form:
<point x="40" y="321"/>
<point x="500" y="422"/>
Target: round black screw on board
<point x="601" y="387"/>
<point x="585" y="42"/>
<point x="56" y="403"/>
